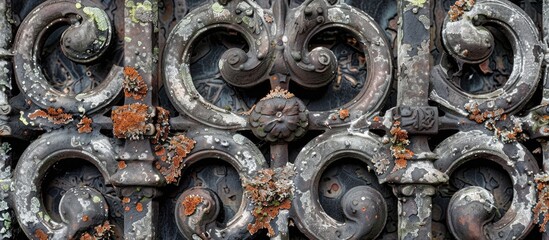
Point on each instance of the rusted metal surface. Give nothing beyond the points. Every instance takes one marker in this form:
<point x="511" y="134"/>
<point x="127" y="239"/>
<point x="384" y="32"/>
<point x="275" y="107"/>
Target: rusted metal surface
<point x="293" y="119"/>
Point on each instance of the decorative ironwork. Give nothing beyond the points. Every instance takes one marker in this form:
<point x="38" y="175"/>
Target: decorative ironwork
<point x="252" y="119"/>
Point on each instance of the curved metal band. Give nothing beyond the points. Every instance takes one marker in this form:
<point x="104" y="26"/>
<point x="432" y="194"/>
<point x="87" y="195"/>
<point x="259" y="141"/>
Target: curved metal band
<point x="528" y="56"/>
<point x="175" y="65"/>
<point x="310" y="164"/>
<point x="246" y="158"/>
<point x="27" y="49"/>
<point x="33" y="166"/>
<point x="513" y="158"/>
<point x="375" y="46"/>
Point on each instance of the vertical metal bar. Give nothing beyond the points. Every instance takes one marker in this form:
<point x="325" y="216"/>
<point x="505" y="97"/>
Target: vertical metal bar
<point x="545" y="98"/>
<point x="414" y="63"/>
<point x="138" y="190"/>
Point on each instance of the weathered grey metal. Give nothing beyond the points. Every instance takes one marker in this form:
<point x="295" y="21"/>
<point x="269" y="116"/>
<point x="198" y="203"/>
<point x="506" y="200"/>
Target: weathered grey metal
<point x="364" y="207"/>
<point x="42" y="154"/>
<point x="92" y="38"/>
<point x="521" y="167"/>
<point x="527" y="56"/>
<point x="242" y="155"/>
<point x="273" y="119"/>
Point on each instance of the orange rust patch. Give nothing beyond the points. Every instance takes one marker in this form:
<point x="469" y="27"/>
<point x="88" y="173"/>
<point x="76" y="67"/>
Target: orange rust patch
<point x="55" y="116"/>
<point x="190" y="203"/>
<point x="343" y="114"/>
<point x="85" y="218"/>
<point x="122" y="164"/>
<point x="459" y="8"/>
<point x="84" y="126"/>
<point x="139" y="207"/>
<point x="129" y="121"/>
<point x="376" y="119"/>
<point x="101" y="231"/>
<point x="134" y="85"/>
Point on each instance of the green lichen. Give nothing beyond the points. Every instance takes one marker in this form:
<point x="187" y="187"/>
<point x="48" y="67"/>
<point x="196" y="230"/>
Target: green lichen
<point x="23" y="119"/>
<point x="140" y="12"/>
<point x="78" y="5"/>
<point x="99" y="17"/>
<point x="217" y="8"/>
<point x="418" y="3"/>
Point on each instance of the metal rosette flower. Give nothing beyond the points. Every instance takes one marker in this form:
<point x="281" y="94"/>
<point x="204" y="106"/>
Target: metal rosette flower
<point x="86" y="39"/>
<point x="473" y="211"/>
<point x="280" y="116"/>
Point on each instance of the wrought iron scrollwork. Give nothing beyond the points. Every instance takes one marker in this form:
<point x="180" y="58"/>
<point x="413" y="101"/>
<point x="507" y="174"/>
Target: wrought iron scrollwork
<point x="364" y="207"/>
<point x="81" y="208"/>
<point x="468" y="40"/>
<point x="471" y="209"/>
<point x="87" y="38"/>
<point x="246" y="159"/>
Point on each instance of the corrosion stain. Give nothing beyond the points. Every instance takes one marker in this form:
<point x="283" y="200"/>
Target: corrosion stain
<point x="40" y="234"/>
<point x="134" y="85"/>
<point x="459" y="8"/>
<point x="270" y="191"/>
<point x="172" y="155"/>
<point x="129" y="121"/>
<point x="53" y="115"/>
<point x="399" y="141"/>
<point x="84" y="126"/>
<point x="190" y="202"/>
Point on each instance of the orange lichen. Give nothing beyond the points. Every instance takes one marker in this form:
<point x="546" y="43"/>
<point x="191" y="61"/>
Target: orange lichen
<point x="270" y="192"/>
<point x="139" y="207"/>
<point x="40" y="234"/>
<point x="121" y="164"/>
<point x="490" y="118"/>
<point x="172" y="155"/>
<point x="542" y="206"/>
<point x="130" y="121"/>
<point x="101" y="231"/>
<point x="134" y="86"/>
<point x="376" y="119"/>
<point x="278" y="93"/>
<point x="85" y="218"/>
<point x="162" y="125"/>
<point x="53" y="115"/>
<point x="84" y="126"/>
<point x="189" y="204"/>
<point x="343" y="114"/>
<point x="459" y="8"/>
<point x="399" y="141"/>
